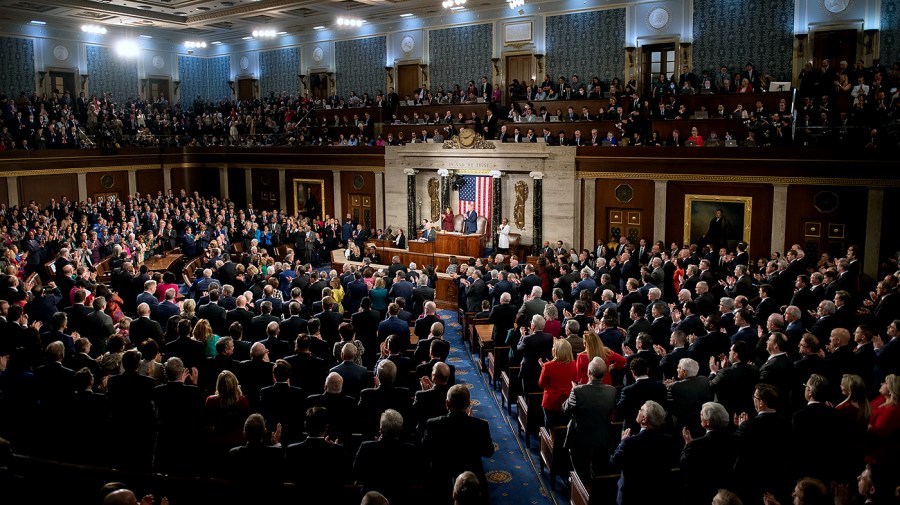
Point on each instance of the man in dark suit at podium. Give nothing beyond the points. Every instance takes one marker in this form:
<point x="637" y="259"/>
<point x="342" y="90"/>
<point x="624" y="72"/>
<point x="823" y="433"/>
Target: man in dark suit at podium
<point x="471" y="220"/>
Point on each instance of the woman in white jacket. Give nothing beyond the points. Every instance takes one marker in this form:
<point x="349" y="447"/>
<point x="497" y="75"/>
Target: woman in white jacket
<point x="503" y="236"/>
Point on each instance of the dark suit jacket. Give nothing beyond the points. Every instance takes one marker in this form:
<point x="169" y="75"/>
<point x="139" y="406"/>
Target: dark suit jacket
<point x="733" y="387"/>
<point x="253" y="375"/>
<point x="779" y="372"/>
<point x="456" y="443"/>
<point x="166" y="310"/>
<point x="645" y="457"/>
<point x="633" y="397"/>
<point x="285" y="404"/>
<point x="243" y="316"/>
<point x="538" y="345"/>
<point x="503" y="317"/>
<point x="702" y="479"/>
<point x="330" y="322"/>
<point x="291" y="327"/>
<point x="341" y="412"/>
<point x="388" y="466"/>
<point x="192" y="352"/>
<point x="685" y="397"/>
<point x="374" y="401"/>
<point x="356" y="377"/>
<point x="763" y="448"/>
<point x="307" y="372"/>
<point x="143" y="328"/>
<point x="149" y="299"/>
<point x="639" y="326"/>
<point x="317" y="467"/>
<point x="590" y="407"/>
<point x="423" y="326"/>
<point x="669" y="363"/>
<point x="652" y="359"/>
<point x="216" y="316"/>
<point x="179" y="409"/>
<point x="814" y="424"/>
<point x="429" y="404"/>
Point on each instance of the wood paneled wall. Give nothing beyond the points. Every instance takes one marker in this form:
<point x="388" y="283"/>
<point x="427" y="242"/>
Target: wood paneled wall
<point x="150" y="181"/>
<point x="42" y="189"/>
<point x="4" y="191"/>
<point x="368" y="189"/>
<point x="328" y="177"/>
<point x="850" y="212"/>
<point x="119" y="179"/>
<point x="204" y="180"/>
<point x="642" y="201"/>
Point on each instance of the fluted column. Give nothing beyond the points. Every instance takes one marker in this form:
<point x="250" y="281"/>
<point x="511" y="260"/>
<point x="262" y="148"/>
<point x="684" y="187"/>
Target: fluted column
<point x="496" y="206"/>
<point x="445" y="188"/>
<point x="538" y="212"/>
<point x="410" y="201"/>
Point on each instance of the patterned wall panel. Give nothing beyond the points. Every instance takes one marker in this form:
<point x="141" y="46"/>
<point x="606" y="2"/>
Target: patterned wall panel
<point x="17" y="64"/>
<point x="278" y="71"/>
<point x="110" y="73"/>
<point x="217" y="76"/>
<point x="588" y="44"/>
<point x="359" y="65"/>
<point x="459" y="55"/>
<point x="890" y="32"/>
<point x="192" y="73"/>
<point x="734" y="33"/>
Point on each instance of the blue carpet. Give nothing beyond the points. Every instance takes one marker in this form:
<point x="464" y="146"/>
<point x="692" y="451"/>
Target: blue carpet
<point x="512" y="471"/>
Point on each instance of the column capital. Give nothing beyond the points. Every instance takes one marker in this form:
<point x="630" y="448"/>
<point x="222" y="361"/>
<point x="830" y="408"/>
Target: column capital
<point x="496" y="174"/>
<point x="443" y="172"/>
<point x="536" y="175"/>
<point x="410" y="171"/>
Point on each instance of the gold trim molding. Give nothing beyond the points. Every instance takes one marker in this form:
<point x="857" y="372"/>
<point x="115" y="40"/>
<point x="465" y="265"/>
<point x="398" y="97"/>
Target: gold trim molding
<point x="754" y="179"/>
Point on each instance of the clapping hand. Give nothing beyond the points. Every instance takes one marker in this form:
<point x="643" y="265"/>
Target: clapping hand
<point x="425" y="383"/>
<point x="660" y="350"/>
<point x="686" y="435"/>
<point x="626" y="433"/>
<point x="627" y="351"/>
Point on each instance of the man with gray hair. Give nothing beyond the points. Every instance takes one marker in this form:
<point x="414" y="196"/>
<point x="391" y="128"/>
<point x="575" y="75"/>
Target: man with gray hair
<point x="341" y="408"/>
<point x="424" y="323"/>
<point x="388" y="464"/>
<point x="534" y="305"/>
<point x="179" y="408"/>
<point x="385" y="395"/>
<point x="702" y="479"/>
<point x="687" y="395"/>
<point x="533" y="347"/>
<point x="589" y="437"/>
<point x="573" y="335"/>
<point x="645" y="459"/>
<point x="587" y="282"/>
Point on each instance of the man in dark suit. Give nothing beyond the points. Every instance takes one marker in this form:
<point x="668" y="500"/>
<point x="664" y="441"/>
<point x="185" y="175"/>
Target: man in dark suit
<point x="144" y="327"/>
<point x="330" y="320"/>
<point x="839" y="358"/>
<point x="255" y="374"/>
<point x="223" y="360"/>
<point x="639" y="323"/>
<point x="763" y="446"/>
<point x="317" y="465"/>
<point x="533" y="347"/>
<point x="887" y="354"/>
<point x="668" y="363"/>
<point x="293" y="325"/>
<point x="825" y="322"/>
<point x="98" y="326"/>
<point x="190" y="351"/>
<point x="277" y="347"/>
<point x="340" y="408"/>
<point x="815" y="422"/>
<point x="54" y="383"/>
<point x="401" y="288"/>
<point x="646" y="353"/>
<point x="168" y="308"/>
<point x="148" y="296"/>
<point x="179" y="407"/>
<point x="455" y="443"/>
<point x="77" y="312"/>
<point x="732" y="380"/>
<point x="214" y="313"/>
<point x="687" y="395"/>
<point x="240" y="314"/>
<point x="385" y="395"/>
<point x="589" y="434"/>
<point x="644" y="457"/>
<point x="258" y="324"/>
<point x="388" y="465"/>
<point x="356" y="290"/>
<point x="393" y="325"/>
<point x="356" y="377"/>
<point x="702" y="480"/>
<point x="634" y="395"/>
<point x="778" y="370"/>
<point x="282" y="403"/>
<point x="745" y="331"/>
<point x="503" y="317"/>
<point x="423" y="324"/>
<point x="308" y="372"/>
<point x="431" y="401"/>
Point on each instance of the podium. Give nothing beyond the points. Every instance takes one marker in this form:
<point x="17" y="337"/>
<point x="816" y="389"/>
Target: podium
<point x="420" y="247"/>
<point x="459" y="244"/>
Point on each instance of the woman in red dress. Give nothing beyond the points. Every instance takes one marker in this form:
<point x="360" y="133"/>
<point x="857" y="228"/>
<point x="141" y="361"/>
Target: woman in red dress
<point x="593" y="347"/>
<point x="447" y="221"/>
<point x="557" y="377"/>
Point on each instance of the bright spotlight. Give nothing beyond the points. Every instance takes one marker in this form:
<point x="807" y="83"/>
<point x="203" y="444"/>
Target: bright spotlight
<point x="127" y="48"/>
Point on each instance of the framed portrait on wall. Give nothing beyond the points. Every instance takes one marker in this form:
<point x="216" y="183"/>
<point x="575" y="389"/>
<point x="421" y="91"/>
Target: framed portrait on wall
<point x="111" y="196"/>
<point x="719" y="220"/>
<point x="309" y="197"/>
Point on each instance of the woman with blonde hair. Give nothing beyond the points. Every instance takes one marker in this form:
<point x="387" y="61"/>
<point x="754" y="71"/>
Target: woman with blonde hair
<point x="856" y="404"/>
<point x="557" y="377"/>
<point x="337" y="293"/>
<point x="203" y="333"/>
<point x="188" y="309"/>
<point x="883" y="445"/>
<point x="593" y="348"/>
<point x="553" y="326"/>
<point x="226" y="411"/>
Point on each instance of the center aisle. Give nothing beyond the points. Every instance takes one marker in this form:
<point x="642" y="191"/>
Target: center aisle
<point x="512" y="473"/>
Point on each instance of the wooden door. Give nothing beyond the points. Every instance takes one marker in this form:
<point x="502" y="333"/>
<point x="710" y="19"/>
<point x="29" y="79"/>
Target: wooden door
<point x="625" y="223"/>
<point x="656" y="59"/>
<point x="407" y="79"/>
<point x="360" y="207"/>
<point x="159" y="87"/>
<point x="835" y="45"/>
<point x="60" y="82"/>
<point x="245" y="89"/>
<point x="318" y="85"/>
<point x="518" y="67"/>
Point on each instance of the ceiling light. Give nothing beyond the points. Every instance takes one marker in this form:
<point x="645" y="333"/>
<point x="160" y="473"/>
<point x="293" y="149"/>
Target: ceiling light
<point x="195" y="44"/>
<point x="215" y="43"/>
<point x="318" y="27"/>
<point x="407" y="15"/>
<point x="146" y="36"/>
<point x="264" y="34"/>
<point x="453" y="4"/>
<point x="95" y="29"/>
<point x="127" y="48"/>
<point x="246" y="38"/>
<point x="515" y="4"/>
<point x="281" y="33"/>
<point x="350" y="22"/>
<point x="38" y="22"/>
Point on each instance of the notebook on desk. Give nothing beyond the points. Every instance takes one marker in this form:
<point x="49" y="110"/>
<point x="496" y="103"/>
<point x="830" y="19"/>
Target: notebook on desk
<point x="327" y="107"/>
<point x="701" y="114"/>
<point x="731" y="143"/>
<point x="691" y="143"/>
<point x="410" y="102"/>
<point x="479" y="100"/>
<point x="713" y="143"/>
<point x="554" y="119"/>
<point x="606" y="143"/>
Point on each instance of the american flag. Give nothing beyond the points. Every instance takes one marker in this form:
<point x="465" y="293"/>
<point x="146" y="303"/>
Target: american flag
<point x="476" y="190"/>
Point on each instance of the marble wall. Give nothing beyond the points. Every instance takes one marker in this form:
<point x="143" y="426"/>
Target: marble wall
<point x="733" y="33"/>
<point x="588" y="44"/>
<point x="17" y="62"/>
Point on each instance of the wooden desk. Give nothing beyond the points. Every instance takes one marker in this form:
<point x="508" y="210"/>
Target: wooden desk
<point x="421" y="247"/>
<point x="163" y="263"/>
<point x="459" y="244"/>
<point x="731" y="101"/>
